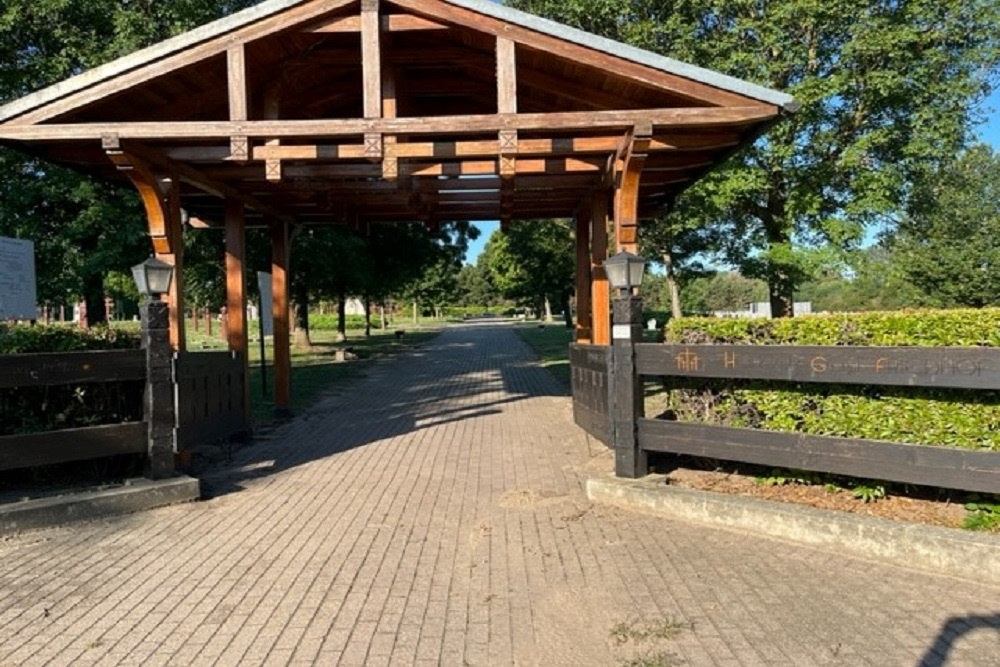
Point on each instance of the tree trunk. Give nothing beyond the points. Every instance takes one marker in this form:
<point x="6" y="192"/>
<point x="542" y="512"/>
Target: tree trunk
<point x="341" y="315"/>
<point x="548" y="310"/>
<point x="368" y="317"/>
<point x="415" y="320"/>
<point x="381" y="314"/>
<point x="780" y="282"/>
<point x="94" y="296"/>
<point x="672" y="287"/>
<point x="567" y="312"/>
<point x="300" y="336"/>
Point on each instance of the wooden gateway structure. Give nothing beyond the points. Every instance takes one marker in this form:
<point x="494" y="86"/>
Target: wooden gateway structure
<point x="314" y="112"/>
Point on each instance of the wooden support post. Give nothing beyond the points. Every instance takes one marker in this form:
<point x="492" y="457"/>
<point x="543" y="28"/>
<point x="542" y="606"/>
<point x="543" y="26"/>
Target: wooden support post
<point x="236" y="293"/>
<point x="239" y="145"/>
<point x="390" y="160"/>
<point x="282" y="340"/>
<point x="158" y="397"/>
<point x="627" y="190"/>
<point x="626" y="388"/>
<point x="272" y="111"/>
<point x="507" y="104"/>
<point x="600" y="293"/>
<point x="175" y="297"/>
<point x="584" y="307"/>
<point x="371" y="58"/>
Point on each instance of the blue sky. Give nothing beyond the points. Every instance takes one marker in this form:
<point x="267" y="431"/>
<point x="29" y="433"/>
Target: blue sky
<point x="989" y="132"/>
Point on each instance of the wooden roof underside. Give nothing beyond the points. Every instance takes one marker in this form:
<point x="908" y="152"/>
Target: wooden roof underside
<point x="332" y="111"/>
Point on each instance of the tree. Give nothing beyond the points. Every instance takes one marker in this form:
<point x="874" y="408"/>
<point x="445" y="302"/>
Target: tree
<point x="726" y="291"/>
<point x="888" y="90"/>
<point x="678" y="244"/>
<point x="83" y="229"/>
<point x="533" y="263"/>
<point x="949" y="247"/>
<point x="475" y="288"/>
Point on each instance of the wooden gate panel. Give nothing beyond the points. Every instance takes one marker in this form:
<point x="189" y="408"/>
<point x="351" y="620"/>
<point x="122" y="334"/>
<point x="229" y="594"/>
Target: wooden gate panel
<point x="590" y="366"/>
<point x="209" y="398"/>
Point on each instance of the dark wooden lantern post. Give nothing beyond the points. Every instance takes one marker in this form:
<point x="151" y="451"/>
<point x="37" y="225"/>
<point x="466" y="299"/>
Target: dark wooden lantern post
<point x="625" y="272"/>
<point x="153" y="277"/>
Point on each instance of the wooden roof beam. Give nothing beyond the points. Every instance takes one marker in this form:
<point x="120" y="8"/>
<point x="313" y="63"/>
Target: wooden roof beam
<point x="664" y="119"/>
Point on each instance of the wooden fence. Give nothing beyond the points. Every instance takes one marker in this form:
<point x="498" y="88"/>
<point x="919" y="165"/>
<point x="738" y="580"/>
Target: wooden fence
<point x="209" y="400"/>
<point x="945" y="467"/>
<point x="72" y="444"/>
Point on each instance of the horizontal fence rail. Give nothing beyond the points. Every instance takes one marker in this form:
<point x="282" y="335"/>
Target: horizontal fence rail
<point x="946" y="467"/>
<point x="952" y="368"/>
<point x="74" y="444"/>
<point x="591" y="398"/>
<point x="37" y="370"/>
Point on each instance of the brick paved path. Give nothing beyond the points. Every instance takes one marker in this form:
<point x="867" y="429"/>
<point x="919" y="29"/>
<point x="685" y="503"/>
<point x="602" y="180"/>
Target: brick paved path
<point x="433" y="514"/>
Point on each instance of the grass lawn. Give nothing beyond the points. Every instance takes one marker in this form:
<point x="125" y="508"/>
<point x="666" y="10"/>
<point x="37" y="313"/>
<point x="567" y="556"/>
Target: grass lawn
<point x="315" y="370"/>
<point x="551" y="343"/>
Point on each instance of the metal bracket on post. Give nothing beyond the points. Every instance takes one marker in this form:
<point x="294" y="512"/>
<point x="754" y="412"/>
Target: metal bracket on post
<point x="158" y="400"/>
<point x="626" y="388"/>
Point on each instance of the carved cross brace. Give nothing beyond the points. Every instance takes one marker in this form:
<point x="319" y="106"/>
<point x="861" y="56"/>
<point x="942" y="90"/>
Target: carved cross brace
<point x="272" y="170"/>
<point x="373" y="146"/>
<point x="390" y="168"/>
<point x="239" y="148"/>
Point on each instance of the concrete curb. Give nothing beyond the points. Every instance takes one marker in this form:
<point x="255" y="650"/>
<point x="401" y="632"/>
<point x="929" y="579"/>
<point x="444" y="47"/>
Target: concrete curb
<point x="135" y="496"/>
<point x="972" y="556"/>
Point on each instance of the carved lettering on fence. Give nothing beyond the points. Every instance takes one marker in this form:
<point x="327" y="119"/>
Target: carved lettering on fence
<point x="973" y="368"/>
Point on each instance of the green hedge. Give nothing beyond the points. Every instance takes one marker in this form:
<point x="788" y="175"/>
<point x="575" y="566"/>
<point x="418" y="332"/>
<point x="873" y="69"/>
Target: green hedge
<point x="24" y="338"/>
<point x="329" y="322"/>
<point x="943" y="417"/>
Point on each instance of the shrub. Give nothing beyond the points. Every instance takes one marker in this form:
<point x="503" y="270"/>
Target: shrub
<point x="23" y="338"/>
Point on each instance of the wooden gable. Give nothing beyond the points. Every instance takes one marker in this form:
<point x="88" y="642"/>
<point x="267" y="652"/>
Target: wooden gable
<point x="332" y="111"/>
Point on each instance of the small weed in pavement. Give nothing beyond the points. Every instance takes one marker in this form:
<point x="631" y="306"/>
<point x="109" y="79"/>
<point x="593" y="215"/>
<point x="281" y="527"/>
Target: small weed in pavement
<point x="637" y="631"/>
<point x="661" y="659"/>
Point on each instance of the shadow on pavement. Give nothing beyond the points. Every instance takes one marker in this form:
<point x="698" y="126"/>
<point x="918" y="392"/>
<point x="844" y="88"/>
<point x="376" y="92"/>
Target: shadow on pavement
<point x="952" y="631"/>
<point x="466" y="373"/>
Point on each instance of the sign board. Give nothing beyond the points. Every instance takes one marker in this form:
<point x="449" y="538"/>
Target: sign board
<point x="18" y="288"/>
<point x="266" y="299"/>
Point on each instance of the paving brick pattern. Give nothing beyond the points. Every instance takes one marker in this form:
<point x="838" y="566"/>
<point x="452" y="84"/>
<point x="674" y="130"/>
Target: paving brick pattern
<point x="433" y="513"/>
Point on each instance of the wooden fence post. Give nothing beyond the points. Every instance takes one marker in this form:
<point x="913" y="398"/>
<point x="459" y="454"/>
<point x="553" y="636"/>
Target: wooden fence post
<point x="158" y="401"/>
<point x="626" y="388"/>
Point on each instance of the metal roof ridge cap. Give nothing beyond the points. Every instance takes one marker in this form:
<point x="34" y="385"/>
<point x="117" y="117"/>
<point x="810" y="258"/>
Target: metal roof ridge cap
<point x="143" y="56"/>
<point x="628" y="52"/>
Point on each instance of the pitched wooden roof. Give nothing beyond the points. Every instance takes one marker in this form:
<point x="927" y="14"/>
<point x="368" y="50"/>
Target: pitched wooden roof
<point x="337" y="110"/>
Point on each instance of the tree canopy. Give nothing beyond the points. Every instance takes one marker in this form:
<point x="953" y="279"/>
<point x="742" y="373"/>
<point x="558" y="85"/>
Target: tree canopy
<point x="888" y="91"/>
<point x="949" y="247"/>
<point x="83" y="229"/>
